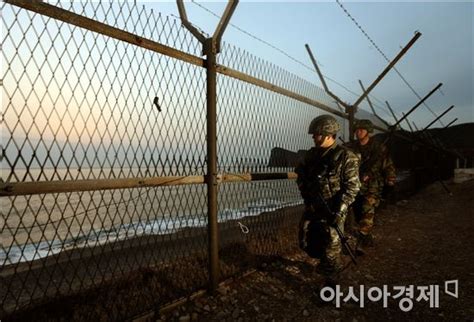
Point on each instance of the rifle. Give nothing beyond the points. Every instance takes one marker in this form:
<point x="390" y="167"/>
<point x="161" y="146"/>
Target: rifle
<point x="338" y="230"/>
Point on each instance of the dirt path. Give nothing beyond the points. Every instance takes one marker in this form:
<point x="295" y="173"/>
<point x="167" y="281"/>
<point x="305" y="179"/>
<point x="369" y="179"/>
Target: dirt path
<point x="423" y="241"/>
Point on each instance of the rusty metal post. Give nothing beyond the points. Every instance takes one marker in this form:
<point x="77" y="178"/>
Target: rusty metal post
<point x="352" y="109"/>
<point x="315" y="64"/>
<point x="395" y="117"/>
<point x="367" y="98"/>
<point x="349" y="110"/>
<point x="372" y="106"/>
<point x="422" y="134"/>
<point x="387" y="69"/>
<point x="413" y="142"/>
<point x="391" y="111"/>
<point x="408" y="122"/>
<point x="439" y="116"/>
<point x="418" y="104"/>
<point x="451" y="122"/>
<point x="211" y="177"/>
<point x="211" y="46"/>
<point x="323" y="82"/>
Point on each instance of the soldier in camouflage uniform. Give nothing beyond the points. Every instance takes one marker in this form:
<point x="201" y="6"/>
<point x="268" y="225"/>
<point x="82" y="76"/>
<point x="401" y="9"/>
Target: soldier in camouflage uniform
<point x="330" y="171"/>
<point x="376" y="171"/>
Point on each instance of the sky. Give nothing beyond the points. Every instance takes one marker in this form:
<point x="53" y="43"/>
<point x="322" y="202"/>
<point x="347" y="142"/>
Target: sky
<point x="85" y="83"/>
<point x="443" y="54"/>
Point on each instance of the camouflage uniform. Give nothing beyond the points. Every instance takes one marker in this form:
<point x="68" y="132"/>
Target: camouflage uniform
<point x="376" y="170"/>
<point x="333" y="173"/>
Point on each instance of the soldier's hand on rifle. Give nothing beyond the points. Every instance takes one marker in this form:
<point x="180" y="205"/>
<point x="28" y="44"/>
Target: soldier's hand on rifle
<point x="338" y="218"/>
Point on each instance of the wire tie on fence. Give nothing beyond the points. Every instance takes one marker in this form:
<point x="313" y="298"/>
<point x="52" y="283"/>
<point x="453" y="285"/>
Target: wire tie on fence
<point x="244" y="228"/>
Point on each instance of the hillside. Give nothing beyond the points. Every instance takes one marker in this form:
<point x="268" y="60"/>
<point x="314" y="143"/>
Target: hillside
<point x="458" y="138"/>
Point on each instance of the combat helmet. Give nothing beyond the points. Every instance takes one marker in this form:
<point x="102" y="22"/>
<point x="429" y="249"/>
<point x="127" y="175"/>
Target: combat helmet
<point x="325" y="125"/>
<point x="364" y="124"/>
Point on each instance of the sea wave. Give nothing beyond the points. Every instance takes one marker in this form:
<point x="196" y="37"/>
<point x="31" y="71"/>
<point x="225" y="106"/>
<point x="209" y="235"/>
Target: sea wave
<point x="33" y="251"/>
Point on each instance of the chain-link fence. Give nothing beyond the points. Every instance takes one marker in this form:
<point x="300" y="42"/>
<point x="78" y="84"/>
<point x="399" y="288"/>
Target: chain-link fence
<point x="103" y="134"/>
<point x="103" y="153"/>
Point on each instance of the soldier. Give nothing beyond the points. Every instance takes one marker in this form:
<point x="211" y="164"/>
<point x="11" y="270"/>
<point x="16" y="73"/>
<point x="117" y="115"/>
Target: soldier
<point x="330" y="172"/>
<point x="376" y="171"/>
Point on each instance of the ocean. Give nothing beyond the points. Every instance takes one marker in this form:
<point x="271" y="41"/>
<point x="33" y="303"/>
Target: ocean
<point x="38" y="226"/>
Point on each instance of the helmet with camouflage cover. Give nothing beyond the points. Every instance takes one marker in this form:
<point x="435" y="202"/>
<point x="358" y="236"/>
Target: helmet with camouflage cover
<point x="324" y="125"/>
<point x="364" y="124"/>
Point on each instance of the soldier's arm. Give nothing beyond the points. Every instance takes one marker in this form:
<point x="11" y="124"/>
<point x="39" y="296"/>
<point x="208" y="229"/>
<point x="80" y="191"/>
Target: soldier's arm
<point x="300" y="174"/>
<point x="350" y="184"/>
<point x="300" y="180"/>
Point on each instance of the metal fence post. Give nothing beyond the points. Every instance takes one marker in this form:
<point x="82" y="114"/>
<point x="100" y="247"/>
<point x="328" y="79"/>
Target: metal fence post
<point x="387" y="69"/>
<point x="372" y="106"/>
<point x="211" y="46"/>
<point x="451" y="122"/>
<point x="439" y="116"/>
<point x="211" y="177"/>
<point x="392" y="112"/>
<point x="351" y="110"/>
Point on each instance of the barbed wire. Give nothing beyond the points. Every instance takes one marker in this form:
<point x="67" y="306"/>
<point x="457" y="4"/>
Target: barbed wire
<point x="284" y="53"/>
<point x="384" y="56"/>
<point x="255" y="37"/>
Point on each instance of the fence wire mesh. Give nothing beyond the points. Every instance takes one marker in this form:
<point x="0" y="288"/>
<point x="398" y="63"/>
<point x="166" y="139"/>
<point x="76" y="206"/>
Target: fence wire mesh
<point x="78" y="105"/>
<point x="245" y="62"/>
